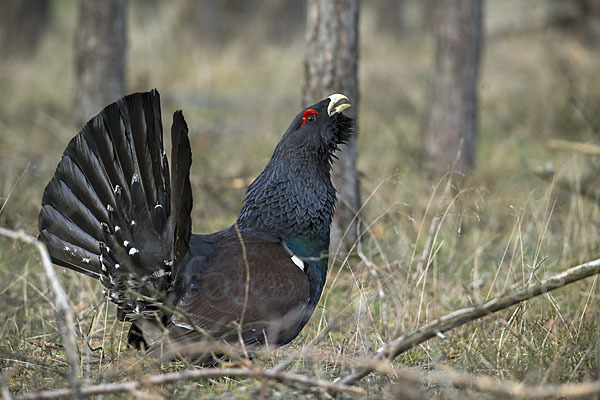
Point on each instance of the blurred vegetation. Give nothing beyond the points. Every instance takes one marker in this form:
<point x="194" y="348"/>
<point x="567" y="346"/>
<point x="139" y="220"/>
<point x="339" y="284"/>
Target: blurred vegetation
<point x="431" y="246"/>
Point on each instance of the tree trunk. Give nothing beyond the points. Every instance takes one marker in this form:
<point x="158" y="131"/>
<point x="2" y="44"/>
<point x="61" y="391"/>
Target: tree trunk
<point x="426" y="8"/>
<point x="579" y="17"/>
<point x="100" y="44"/>
<point x="22" y="25"/>
<point x="450" y="123"/>
<point x="331" y="66"/>
<point x="390" y="16"/>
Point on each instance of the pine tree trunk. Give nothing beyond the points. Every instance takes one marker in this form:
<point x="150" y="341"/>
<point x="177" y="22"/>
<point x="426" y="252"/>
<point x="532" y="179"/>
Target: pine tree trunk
<point x="22" y="25"/>
<point x="390" y="16"/>
<point x="331" y="66"/>
<point x="100" y="44"/>
<point x="450" y="123"/>
<point x="579" y="17"/>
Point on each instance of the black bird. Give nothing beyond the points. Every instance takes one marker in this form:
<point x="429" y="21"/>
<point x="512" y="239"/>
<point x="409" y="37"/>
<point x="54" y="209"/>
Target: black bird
<point x="113" y="212"/>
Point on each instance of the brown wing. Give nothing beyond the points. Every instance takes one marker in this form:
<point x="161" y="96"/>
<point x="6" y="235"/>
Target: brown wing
<point x="256" y="290"/>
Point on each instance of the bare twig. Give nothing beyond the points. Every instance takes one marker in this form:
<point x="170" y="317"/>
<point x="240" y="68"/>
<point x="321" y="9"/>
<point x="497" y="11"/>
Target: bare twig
<point x="13" y="188"/>
<point x="583" y="148"/>
<point x="206" y="373"/>
<point x="63" y="309"/>
<point x="548" y="175"/>
<point x="507" y="388"/>
<point x="460" y="317"/>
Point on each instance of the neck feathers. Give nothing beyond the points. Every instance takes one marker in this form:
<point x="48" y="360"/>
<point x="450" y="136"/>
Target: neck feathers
<point x="290" y="200"/>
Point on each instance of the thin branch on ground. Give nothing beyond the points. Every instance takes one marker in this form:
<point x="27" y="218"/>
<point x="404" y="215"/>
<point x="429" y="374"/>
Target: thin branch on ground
<point x="578" y="147"/>
<point x="391" y="350"/>
<point x="507" y="388"/>
<point x="205" y="373"/>
<point x="13" y="187"/>
<point x="64" y="314"/>
<point x="548" y="175"/>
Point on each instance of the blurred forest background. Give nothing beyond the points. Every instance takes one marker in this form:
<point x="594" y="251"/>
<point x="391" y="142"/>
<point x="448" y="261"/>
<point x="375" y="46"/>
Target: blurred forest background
<point x="468" y="186"/>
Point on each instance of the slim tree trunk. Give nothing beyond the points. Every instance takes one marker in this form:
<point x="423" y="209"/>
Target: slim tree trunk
<point x="22" y="25"/>
<point x="331" y="66"/>
<point x="579" y="17"/>
<point x="450" y="123"/>
<point x="100" y="44"/>
<point x="390" y="15"/>
<point x="426" y="14"/>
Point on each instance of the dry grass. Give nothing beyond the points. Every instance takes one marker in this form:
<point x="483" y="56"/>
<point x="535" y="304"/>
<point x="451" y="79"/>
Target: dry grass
<point x="430" y="247"/>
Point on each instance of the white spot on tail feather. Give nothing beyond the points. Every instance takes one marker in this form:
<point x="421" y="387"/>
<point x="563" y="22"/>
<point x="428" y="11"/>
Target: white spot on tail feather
<point x="70" y="251"/>
<point x="117" y="266"/>
<point x="85" y="260"/>
<point x="133" y="251"/>
<point x="117" y="228"/>
<point x="126" y="243"/>
<point x="132" y="222"/>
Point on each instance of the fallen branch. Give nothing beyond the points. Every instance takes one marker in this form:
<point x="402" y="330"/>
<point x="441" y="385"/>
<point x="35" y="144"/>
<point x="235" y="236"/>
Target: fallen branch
<point x="505" y="388"/>
<point x="391" y="350"/>
<point x="549" y="176"/>
<point x="63" y="309"/>
<point x="161" y="379"/>
<point x="583" y="148"/>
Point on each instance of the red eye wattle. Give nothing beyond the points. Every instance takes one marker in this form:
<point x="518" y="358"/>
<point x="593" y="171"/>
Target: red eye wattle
<point x="309" y="116"/>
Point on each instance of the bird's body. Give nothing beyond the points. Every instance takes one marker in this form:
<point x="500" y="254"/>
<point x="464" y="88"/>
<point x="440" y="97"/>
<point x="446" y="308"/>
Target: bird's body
<point x="112" y="211"/>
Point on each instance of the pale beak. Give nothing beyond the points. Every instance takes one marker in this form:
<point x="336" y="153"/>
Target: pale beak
<point x="334" y="106"/>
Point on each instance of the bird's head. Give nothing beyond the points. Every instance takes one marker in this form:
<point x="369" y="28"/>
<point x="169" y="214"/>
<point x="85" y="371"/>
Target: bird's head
<point x="294" y="196"/>
<point x="316" y="131"/>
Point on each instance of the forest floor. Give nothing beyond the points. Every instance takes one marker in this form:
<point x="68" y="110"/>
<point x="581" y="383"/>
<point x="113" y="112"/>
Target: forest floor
<point x="430" y="247"/>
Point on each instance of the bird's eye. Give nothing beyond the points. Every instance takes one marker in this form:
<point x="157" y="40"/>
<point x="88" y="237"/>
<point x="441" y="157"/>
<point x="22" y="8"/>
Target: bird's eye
<point x="309" y="116"/>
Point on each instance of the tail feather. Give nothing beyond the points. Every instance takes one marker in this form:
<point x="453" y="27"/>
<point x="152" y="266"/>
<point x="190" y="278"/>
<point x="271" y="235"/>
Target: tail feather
<point x="160" y="168"/>
<point x="182" y="202"/>
<point x="86" y="158"/>
<point x="57" y="224"/>
<point x="108" y="212"/>
<point x="73" y="177"/>
<point x="142" y="127"/>
<point x="103" y="145"/>
<point x="118" y="139"/>
<point x="73" y="209"/>
<point x="71" y="255"/>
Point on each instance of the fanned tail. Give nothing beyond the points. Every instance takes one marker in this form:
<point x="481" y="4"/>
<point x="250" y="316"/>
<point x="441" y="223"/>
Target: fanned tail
<point x="108" y="211"/>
